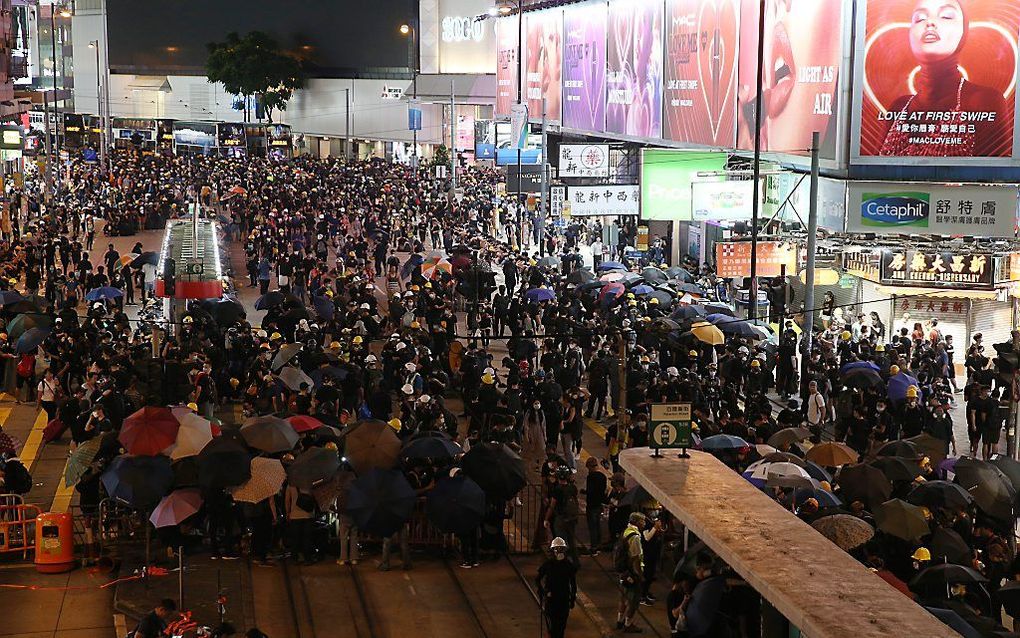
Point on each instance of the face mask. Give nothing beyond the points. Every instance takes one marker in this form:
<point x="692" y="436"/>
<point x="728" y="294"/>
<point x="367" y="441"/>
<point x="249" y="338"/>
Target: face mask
<point x="880" y="409"/>
<point x="560" y="555"/>
<point x="537" y="406"/>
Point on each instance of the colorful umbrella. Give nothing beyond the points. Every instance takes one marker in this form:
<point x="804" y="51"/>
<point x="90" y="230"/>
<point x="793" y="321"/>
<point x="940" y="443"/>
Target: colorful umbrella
<point x="898" y="384"/>
<point x="176" y="507"/>
<point x="303" y="423"/>
<point x="149" y="431"/>
<point x="267" y="477"/>
<point x="23" y="323"/>
<point x="434" y="268"/>
<point x="81" y="459"/>
<point x="538" y="295"/>
<point x="194" y="434"/>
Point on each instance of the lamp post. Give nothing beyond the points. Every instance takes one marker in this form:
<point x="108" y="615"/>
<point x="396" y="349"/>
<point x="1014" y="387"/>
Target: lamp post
<point x="94" y="44"/>
<point x="412" y="63"/>
<point x="64" y="13"/>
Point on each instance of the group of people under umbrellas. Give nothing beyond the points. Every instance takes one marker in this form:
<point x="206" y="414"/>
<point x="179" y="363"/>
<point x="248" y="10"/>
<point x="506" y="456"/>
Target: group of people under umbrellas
<point x="410" y="359"/>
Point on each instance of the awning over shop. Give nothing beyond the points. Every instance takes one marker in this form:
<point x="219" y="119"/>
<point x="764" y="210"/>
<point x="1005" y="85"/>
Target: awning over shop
<point x="936" y="293"/>
<point x="150" y="83"/>
<point x="470" y="89"/>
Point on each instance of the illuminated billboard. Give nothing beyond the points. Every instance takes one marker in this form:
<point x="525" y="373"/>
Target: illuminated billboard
<point x="937" y="79"/>
<point x="507" y="83"/>
<point x="584" y="67"/>
<point x="666" y="177"/>
<point x="634" y="68"/>
<point x="542" y="75"/>
<point x="803" y="56"/>
<point x="700" y="91"/>
<point x="466" y="44"/>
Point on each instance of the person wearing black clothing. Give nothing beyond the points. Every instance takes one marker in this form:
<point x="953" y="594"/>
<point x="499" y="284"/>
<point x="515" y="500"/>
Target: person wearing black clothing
<point x="984" y="418"/>
<point x="153" y="623"/>
<point x="913" y="416"/>
<point x="557" y="588"/>
<point x="596" y="490"/>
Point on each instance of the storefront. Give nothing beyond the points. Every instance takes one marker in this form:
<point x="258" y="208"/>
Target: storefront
<point x="966" y="290"/>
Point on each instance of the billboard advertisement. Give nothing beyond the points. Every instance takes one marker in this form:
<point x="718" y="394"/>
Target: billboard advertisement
<point x="700" y="91"/>
<point x="584" y="67"/>
<point x="634" y="68"/>
<point x="730" y="200"/>
<point x="774" y="259"/>
<point x="937" y="269"/>
<point x="979" y="210"/>
<point x="485" y="139"/>
<point x="466" y="45"/>
<point x="803" y="54"/>
<point x="607" y="199"/>
<point x="542" y="74"/>
<point x="938" y="78"/>
<point x="666" y="178"/>
<point x="507" y="84"/>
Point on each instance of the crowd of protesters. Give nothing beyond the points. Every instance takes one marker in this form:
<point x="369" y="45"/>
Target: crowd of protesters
<point x="397" y="308"/>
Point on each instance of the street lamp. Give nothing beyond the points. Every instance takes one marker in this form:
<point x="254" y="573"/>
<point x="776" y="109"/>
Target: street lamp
<point x="63" y="12"/>
<point x="94" y="44"/>
<point x="412" y="63"/>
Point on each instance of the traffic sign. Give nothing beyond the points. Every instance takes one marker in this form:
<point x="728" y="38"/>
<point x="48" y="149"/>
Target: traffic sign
<point x="670" y="427"/>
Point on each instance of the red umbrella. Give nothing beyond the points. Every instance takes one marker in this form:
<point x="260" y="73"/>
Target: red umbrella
<point x="302" y="423"/>
<point x="612" y="290"/>
<point x="149" y="431"/>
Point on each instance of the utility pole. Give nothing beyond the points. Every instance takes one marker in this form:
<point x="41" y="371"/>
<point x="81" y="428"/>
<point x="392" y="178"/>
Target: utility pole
<point x="56" y="109"/>
<point x="622" y="418"/>
<point x="48" y="177"/>
<point x="812" y="242"/>
<point x="756" y="169"/>
<point x="453" y="134"/>
<point x="543" y="210"/>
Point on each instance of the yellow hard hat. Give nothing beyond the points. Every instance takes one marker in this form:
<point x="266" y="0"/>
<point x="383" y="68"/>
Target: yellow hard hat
<point x="631" y="303"/>
<point x="329" y="293"/>
<point x="487" y="379"/>
<point x="234" y="382"/>
<point x="630" y="295"/>
<point x="894" y="370"/>
<point x="12" y="281"/>
<point x="193" y="406"/>
<point x="912" y="392"/>
<point x="692" y="353"/>
<point x="3" y="336"/>
<point x="415" y="325"/>
<point x="395" y="424"/>
<point x="880" y="347"/>
<point x="275" y="336"/>
<point x="653" y="301"/>
<point x="188" y="319"/>
<point x="755" y="363"/>
<point x="845" y="336"/>
<point x="358" y="339"/>
<point x="428" y="284"/>
<point x="334" y="345"/>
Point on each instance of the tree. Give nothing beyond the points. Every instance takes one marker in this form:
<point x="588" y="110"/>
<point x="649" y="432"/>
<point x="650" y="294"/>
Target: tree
<point x="255" y="65"/>
<point x="441" y="156"/>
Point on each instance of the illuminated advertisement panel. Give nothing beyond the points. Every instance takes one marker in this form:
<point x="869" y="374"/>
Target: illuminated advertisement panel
<point x="542" y="75"/>
<point x="938" y="79"/>
<point x="803" y="54"/>
<point x="584" y="67"/>
<point x="700" y="92"/>
<point x="506" y="64"/>
<point x="634" y="68"/>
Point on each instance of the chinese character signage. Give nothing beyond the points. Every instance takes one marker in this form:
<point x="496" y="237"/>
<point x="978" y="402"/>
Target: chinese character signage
<point x="936" y="209"/>
<point x="861" y="263"/>
<point x="609" y="199"/>
<point x="775" y="259"/>
<point x="933" y="268"/>
<point x="670" y="426"/>
<point x="584" y="160"/>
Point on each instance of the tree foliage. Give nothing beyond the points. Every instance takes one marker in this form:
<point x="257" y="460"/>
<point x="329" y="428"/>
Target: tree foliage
<point x="255" y="65"/>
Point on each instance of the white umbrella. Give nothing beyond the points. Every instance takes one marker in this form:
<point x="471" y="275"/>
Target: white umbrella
<point x="193" y="435"/>
<point x="293" y="378"/>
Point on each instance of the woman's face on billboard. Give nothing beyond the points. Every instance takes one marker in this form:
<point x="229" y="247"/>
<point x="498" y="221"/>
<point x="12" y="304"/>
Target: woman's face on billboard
<point x="936" y="29"/>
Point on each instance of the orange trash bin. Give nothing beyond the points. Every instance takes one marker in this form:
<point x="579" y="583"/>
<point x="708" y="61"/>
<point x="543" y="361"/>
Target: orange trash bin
<point x="54" y="543"/>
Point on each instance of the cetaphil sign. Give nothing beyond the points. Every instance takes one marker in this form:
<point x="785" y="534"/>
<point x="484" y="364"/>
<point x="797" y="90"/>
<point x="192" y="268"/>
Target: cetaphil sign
<point x="981" y="210"/>
<point x="466" y="44"/>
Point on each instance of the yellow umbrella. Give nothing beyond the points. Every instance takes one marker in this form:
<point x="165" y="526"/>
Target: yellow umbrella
<point x="707" y="333"/>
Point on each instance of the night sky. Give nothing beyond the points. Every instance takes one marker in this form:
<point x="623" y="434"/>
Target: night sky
<point x="340" y="38"/>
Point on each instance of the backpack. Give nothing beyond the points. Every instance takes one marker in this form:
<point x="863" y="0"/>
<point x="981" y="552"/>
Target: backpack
<point x="26" y="366"/>
<point x="306" y="502"/>
<point x="621" y="552"/>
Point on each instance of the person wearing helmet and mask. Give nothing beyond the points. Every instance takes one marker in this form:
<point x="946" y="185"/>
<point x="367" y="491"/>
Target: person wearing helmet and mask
<point x="913" y="414"/>
<point x="557" y="588"/>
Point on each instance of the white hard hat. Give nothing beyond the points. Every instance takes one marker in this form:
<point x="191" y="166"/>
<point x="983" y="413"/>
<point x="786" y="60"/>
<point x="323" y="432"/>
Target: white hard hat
<point x="558" y="543"/>
<point x="407" y="389"/>
<point x="410" y="367"/>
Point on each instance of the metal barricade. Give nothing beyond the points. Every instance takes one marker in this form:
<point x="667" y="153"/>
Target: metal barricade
<point x="17" y="525"/>
<point x="421" y="533"/>
<point x="522" y="523"/>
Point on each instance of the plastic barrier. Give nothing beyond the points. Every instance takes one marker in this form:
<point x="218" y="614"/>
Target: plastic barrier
<point x="17" y="525"/>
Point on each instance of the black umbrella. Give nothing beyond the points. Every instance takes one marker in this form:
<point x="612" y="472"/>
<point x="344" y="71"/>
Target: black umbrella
<point x="704" y="605"/>
<point x="380" y="502"/>
<point x="636" y="498"/>
<point x="991" y="489"/>
<point x="431" y="447"/>
<point x="313" y="465"/>
<point x="324" y="307"/>
<point x="22" y="307"/>
<point x="1009" y="596"/>
<point x="864" y="483"/>
<point x="226" y="312"/>
<point x="186" y="472"/>
<point x="676" y="272"/>
<point x="148" y="258"/>
<point x="955" y="622"/>
<point x="862" y="378"/>
<point x="296" y="313"/>
<point x="694" y="289"/>
<point x="496" y="468"/>
<point x="580" y="276"/>
<point x="689" y="312"/>
<point x="1009" y="467"/>
<point x="946" y="574"/>
<point x="948" y="546"/>
<point x="896" y="468"/>
<point x="940" y="495"/>
<point x="903" y="449"/>
<point x="269" y="434"/>
<point x="455" y="505"/>
<point x="718" y="309"/>
<point x="653" y="275"/>
<point x="663" y="297"/>
<point x="276" y="298"/>
<point x="139" y="481"/>
<point x="225" y="462"/>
